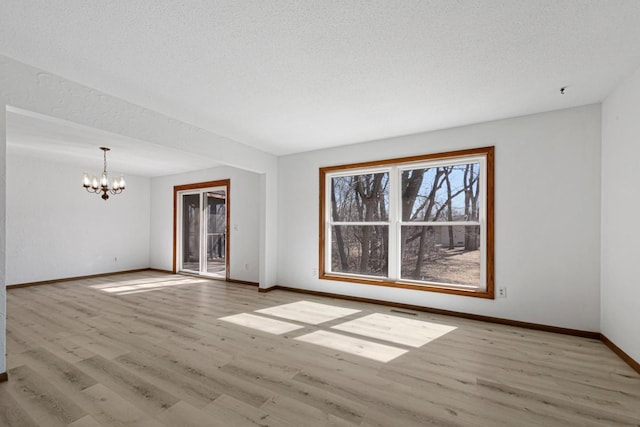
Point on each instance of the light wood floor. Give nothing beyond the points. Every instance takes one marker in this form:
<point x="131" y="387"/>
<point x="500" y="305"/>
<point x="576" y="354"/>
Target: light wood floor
<point x="100" y="353"/>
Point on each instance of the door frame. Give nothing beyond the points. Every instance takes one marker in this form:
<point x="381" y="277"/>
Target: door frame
<point x="196" y="186"/>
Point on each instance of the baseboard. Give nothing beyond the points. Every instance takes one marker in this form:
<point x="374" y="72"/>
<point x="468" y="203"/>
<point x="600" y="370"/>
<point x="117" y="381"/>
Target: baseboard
<point x="242" y="282"/>
<point x="93" y="276"/>
<point x="70" y="279"/>
<point x="621" y="354"/>
<point x="635" y="365"/>
<point x="509" y="322"/>
<point x="4" y="377"/>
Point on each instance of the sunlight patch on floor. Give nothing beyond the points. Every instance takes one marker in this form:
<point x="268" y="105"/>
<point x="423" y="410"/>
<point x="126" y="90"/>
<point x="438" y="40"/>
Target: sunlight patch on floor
<point x="399" y="330"/>
<point x="261" y="323"/>
<point x="137" y="292"/>
<point x="312" y="313"/>
<point x="357" y="346"/>
<point x="131" y="286"/>
<point x="392" y="329"/>
<point x="133" y="282"/>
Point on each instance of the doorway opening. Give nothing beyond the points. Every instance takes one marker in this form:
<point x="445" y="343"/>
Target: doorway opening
<point x="201" y="229"/>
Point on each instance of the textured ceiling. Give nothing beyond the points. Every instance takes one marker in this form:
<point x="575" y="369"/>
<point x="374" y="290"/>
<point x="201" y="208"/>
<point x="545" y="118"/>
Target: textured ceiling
<point x="291" y="76"/>
<point x="34" y="135"/>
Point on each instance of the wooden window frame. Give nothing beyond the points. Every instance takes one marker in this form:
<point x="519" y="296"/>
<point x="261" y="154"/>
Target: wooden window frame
<point x="487" y="291"/>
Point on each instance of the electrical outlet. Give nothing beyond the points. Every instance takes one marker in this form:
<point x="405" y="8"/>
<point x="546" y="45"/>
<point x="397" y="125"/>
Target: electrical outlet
<point x="115" y="259"/>
<point x="502" y="292"/>
<point x="246" y="266"/>
<point x="314" y="272"/>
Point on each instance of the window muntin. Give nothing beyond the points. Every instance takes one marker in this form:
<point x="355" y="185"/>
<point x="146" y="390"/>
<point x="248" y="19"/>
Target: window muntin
<point x="420" y="223"/>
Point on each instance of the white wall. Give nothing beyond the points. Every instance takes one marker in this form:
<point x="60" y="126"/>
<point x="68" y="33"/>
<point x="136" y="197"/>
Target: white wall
<point x="547" y="213"/>
<point x="55" y="229"/>
<point x="244" y="234"/>
<point x="620" y="207"/>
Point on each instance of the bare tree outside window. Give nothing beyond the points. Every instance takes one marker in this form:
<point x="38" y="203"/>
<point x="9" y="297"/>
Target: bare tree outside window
<point x="360" y="245"/>
<point x="441" y="253"/>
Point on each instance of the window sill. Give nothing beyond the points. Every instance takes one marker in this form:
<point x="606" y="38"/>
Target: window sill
<point x="477" y="293"/>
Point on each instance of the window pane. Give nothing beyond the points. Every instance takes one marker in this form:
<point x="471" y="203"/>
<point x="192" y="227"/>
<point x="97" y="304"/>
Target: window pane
<point x="191" y="232"/>
<point x="362" y="198"/>
<point x="444" y="193"/>
<point x="216" y="232"/>
<point x="360" y="249"/>
<point x="443" y="254"/>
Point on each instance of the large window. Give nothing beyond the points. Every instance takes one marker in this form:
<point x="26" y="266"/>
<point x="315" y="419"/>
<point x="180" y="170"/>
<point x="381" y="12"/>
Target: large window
<point x="423" y="222"/>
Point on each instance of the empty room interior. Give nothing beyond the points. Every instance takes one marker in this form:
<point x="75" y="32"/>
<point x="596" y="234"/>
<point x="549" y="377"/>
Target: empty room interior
<point x="320" y="213"/>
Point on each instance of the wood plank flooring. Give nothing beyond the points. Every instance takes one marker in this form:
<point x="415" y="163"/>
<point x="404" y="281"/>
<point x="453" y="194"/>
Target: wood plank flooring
<point x="150" y="349"/>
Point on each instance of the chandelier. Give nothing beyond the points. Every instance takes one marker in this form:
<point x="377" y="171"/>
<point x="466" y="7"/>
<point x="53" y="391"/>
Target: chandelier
<point x="94" y="185"/>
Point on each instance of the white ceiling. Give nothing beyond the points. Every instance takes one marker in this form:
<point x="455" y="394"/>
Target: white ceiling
<point x="38" y="136"/>
<point x="297" y="75"/>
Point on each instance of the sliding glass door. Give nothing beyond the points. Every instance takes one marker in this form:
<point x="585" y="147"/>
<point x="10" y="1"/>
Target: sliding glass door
<point x="202" y="231"/>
